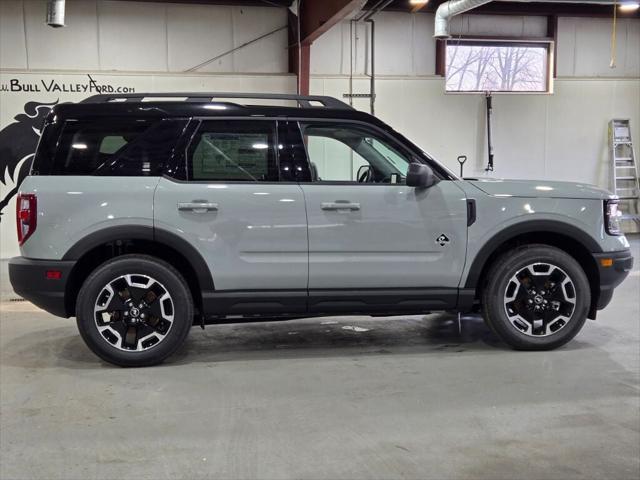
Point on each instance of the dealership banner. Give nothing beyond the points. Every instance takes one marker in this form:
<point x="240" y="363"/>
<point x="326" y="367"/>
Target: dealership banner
<point x="27" y="97"/>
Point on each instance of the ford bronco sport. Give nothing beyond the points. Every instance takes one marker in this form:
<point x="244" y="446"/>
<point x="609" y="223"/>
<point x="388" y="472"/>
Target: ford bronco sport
<point x="146" y="214"/>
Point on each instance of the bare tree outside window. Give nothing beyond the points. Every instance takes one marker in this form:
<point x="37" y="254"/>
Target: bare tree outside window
<point x="496" y="67"/>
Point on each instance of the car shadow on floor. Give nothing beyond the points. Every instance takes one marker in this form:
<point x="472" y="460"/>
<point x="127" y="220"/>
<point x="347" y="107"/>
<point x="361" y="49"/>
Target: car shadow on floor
<point x="337" y="336"/>
<point x="311" y="337"/>
<point x="322" y="336"/>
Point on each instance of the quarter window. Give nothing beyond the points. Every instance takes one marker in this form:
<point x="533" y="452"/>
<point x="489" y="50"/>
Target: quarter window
<point x="233" y="151"/>
<point x="87" y="147"/>
<point x="116" y="147"/>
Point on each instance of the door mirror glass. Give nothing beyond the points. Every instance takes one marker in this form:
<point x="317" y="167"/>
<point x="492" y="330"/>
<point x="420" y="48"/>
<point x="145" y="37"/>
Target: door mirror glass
<point x="420" y="175"/>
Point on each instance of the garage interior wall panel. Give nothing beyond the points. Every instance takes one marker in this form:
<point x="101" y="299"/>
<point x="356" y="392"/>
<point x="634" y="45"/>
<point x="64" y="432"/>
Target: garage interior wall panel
<point x="210" y="33"/>
<point x="112" y="35"/>
<point x="13" y="50"/>
<point x="268" y="55"/>
<point x="584" y="47"/>
<point x="61" y="48"/>
<point x="132" y="36"/>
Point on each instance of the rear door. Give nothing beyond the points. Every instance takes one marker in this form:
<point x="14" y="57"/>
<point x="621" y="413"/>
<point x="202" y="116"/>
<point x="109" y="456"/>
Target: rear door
<point x="374" y="242"/>
<point x="232" y="206"/>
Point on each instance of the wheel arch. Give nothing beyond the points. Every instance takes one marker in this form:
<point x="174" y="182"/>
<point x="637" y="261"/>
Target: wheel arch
<point x="572" y="240"/>
<point x="112" y="242"/>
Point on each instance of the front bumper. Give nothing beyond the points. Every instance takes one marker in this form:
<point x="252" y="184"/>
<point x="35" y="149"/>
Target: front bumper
<point x="29" y="279"/>
<point x="611" y="275"/>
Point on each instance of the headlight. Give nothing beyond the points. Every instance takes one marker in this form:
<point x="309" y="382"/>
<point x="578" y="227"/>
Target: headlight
<point x="612" y="217"/>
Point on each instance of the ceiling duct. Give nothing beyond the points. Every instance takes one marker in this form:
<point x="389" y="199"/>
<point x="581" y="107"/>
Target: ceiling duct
<point x="449" y="9"/>
<point x="55" y="13"/>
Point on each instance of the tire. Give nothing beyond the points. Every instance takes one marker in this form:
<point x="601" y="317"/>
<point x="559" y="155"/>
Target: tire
<point x="134" y="311"/>
<point x="521" y="312"/>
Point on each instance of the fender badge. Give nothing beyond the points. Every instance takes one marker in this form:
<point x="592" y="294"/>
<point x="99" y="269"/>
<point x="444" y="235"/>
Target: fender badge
<point x="442" y="240"/>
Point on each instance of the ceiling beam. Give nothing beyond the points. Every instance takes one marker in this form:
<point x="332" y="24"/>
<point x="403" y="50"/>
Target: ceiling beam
<point x="317" y="17"/>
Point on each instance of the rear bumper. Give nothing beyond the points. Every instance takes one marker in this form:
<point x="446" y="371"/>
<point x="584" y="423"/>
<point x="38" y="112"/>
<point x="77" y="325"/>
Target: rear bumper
<point x="28" y="278"/>
<point x="613" y="275"/>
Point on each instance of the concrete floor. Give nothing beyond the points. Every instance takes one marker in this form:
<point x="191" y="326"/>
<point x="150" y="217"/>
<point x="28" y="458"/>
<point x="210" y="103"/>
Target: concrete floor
<point x="407" y="398"/>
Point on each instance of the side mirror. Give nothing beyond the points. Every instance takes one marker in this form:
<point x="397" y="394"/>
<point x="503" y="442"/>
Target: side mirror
<point x="420" y="175"/>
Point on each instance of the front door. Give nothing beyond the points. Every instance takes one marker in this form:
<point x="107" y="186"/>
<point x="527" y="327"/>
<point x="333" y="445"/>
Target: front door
<point x="374" y="242"/>
<point x="249" y="227"/>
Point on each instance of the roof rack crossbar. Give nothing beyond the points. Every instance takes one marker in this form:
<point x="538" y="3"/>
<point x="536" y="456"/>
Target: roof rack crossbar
<point x="305" y="101"/>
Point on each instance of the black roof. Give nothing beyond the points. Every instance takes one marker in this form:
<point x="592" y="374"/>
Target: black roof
<point x="181" y="104"/>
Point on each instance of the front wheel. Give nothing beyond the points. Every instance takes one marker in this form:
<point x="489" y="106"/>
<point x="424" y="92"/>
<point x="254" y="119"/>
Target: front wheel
<point x="134" y="311"/>
<point x="537" y="297"/>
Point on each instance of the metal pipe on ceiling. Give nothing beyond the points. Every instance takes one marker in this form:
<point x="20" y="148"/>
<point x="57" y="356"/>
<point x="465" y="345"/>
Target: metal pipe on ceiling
<point x="55" y="13"/>
<point x="449" y="9"/>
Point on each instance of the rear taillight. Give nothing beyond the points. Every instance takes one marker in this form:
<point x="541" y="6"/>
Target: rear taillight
<point x="26" y="216"/>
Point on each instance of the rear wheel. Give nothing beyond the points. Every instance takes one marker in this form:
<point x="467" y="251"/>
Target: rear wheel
<point x="134" y="310"/>
<point x="537" y="297"/>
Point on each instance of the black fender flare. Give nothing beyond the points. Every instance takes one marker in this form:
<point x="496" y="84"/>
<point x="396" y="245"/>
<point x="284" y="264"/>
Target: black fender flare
<point x="530" y="226"/>
<point x="142" y="232"/>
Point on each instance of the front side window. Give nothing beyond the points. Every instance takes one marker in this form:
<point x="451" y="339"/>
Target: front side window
<point x="351" y="153"/>
<point x="497" y="66"/>
<point x="233" y="151"/>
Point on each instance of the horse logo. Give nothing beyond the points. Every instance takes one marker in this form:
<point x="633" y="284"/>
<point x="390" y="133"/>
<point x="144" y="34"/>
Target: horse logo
<point x="18" y="142"/>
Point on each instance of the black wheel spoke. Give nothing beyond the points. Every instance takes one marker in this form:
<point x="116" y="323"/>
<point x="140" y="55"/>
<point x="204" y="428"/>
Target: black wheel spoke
<point x="131" y="337"/>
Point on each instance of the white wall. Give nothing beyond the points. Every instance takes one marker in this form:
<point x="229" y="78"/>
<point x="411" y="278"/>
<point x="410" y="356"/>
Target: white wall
<point x="130" y="36"/>
<point x="405" y="45"/>
<point x="584" y="48"/>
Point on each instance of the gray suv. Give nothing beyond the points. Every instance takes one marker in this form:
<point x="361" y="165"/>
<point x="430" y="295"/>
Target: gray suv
<point x="146" y="214"/>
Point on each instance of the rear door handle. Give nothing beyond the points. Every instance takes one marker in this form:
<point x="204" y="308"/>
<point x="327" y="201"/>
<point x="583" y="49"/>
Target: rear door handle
<point x="340" y="205"/>
<point x="197" y="206"/>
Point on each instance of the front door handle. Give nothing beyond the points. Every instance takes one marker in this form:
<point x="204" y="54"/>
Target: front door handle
<point x="340" y="205"/>
<point x="197" y="206"/>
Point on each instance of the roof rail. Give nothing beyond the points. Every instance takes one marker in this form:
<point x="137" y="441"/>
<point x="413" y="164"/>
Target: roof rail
<point x="305" y="101"/>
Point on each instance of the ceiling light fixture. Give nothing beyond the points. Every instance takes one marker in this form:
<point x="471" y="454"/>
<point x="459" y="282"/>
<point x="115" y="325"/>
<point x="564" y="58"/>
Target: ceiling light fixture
<point x="629" y="6"/>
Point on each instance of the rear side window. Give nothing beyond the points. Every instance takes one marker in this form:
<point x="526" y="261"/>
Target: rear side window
<point x="116" y="147"/>
<point x="233" y="151"/>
